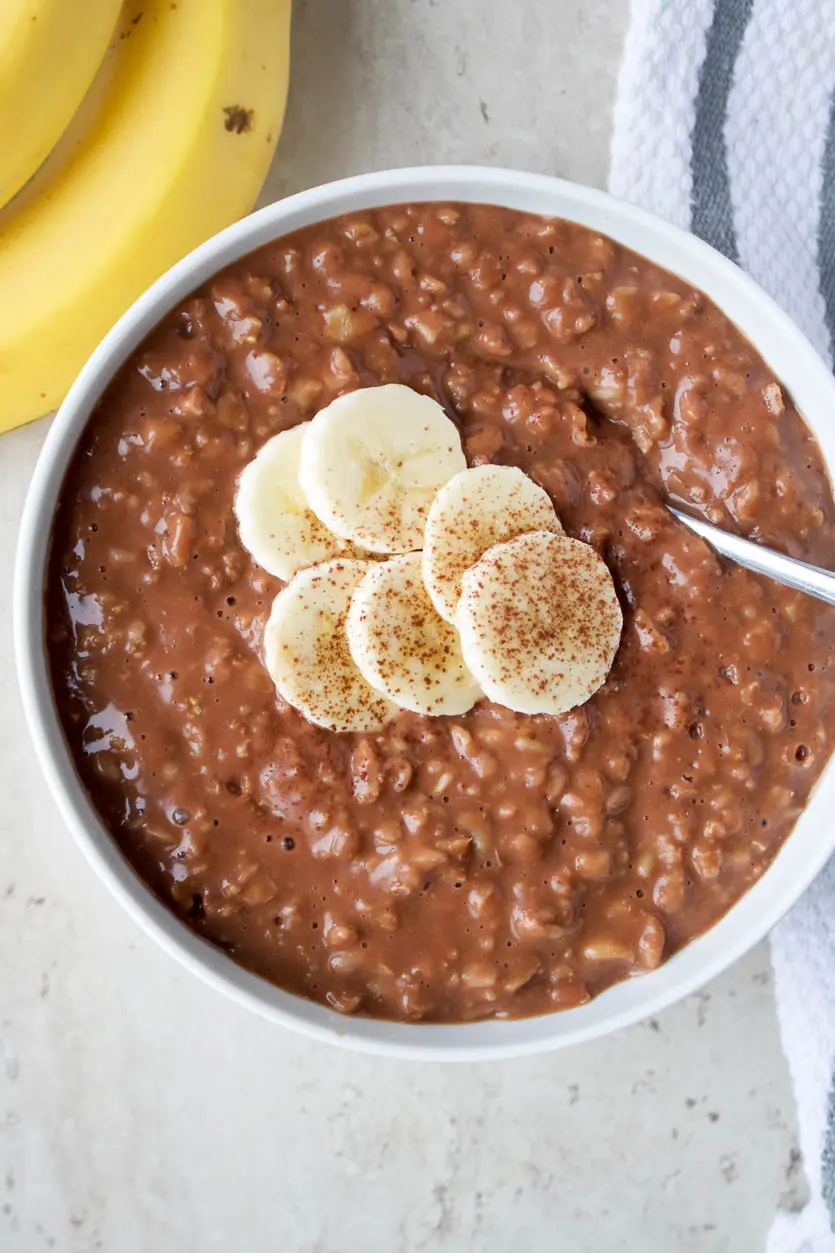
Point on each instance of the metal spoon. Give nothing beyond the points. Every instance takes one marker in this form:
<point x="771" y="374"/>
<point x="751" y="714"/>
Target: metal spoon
<point x="786" y="570"/>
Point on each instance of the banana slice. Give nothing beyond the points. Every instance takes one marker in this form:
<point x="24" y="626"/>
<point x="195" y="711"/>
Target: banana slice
<point x="540" y="623"/>
<point x="372" y="461"/>
<point x="402" y="647"/>
<point x="274" y="523"/>
<point x="306" y="650"/>
<point x="473" y="511"/>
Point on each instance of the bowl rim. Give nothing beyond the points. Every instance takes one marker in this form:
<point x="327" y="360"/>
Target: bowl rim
<point x="773" y="335"/>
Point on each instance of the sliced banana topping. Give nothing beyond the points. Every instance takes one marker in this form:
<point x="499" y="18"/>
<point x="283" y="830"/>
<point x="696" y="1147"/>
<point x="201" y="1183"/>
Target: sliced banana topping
<point x="275" y="524"/>
<point x="540" y="622"/>
<point x="499" y="602"/>
<point x="372" y="462"/>
<point x="307" y="655"/>
<point x="473" y="511"/>
<point x="401" y="645"/>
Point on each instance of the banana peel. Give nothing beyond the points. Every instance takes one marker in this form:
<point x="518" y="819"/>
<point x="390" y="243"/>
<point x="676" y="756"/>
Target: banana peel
<point x="49" y="56"/>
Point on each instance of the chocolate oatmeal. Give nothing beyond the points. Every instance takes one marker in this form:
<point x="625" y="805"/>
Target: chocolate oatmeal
<point x="493" y="864"/>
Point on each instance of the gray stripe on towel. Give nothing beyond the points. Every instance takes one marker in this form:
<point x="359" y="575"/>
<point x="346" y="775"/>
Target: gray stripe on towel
<point x="828" y="1157"/>
<point x="826" y="229"/>
<point x="712" y="214"/>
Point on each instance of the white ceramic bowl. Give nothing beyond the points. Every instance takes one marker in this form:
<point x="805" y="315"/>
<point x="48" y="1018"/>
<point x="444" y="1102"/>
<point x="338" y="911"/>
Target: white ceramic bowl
<point x="792" y="359"/>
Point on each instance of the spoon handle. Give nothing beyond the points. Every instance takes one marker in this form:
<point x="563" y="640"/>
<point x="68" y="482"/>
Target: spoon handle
<point x="786" y="570"/>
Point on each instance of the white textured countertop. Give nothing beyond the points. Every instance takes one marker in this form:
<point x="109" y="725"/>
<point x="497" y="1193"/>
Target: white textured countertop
<point x="140" y="1111"/>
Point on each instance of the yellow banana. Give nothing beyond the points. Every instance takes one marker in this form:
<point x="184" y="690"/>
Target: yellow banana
<point x="49" y="54"/>
<point x="182" y="135"/>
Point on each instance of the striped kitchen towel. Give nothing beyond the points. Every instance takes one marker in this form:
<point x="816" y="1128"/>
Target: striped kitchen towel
<point x="725" y="125"/>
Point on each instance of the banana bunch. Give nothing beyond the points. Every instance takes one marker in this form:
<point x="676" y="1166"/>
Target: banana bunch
<point x="128" y="135"/>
